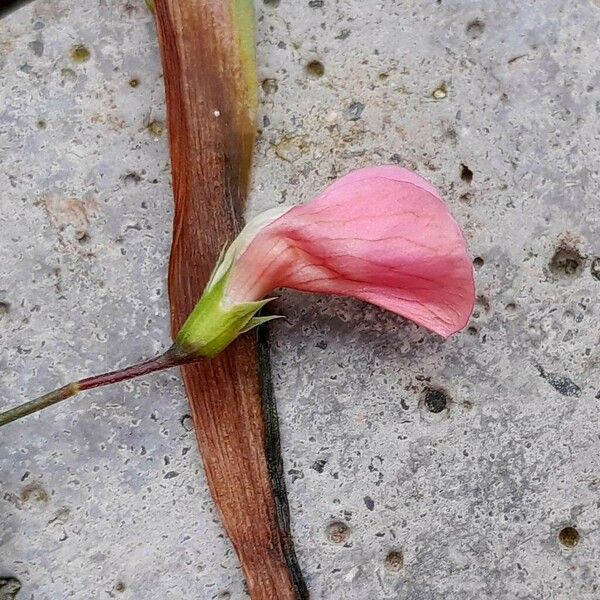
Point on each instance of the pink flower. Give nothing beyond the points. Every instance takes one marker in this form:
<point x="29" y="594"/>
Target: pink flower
<point x="380" y="234"/>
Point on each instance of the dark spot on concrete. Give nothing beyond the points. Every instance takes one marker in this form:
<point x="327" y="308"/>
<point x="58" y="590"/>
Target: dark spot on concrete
<point x="9" y="588"/>
<point x="133" y="83"/>
<point x="316" y="3"/>
<point x="478" y="262"/>
<point x="396" y="159"/>
<point x="562" y="384"/>
<point x="271" y="2"/>
<point x="466" y="174"/>
<point x="295" y="474"/>
<point x="394" y="561"/>
<point x="80" y="53"/>
<point x="322" y="344"/>
<point x="403" y="404"/>
<point x="567" y="261"/>
<point x="269" y="85"/>
<point x="338" y="532"/>
<point x="171" y="474"/>
<point x="343" y="34"/>
<point x="319" y="465"/>
<point x="595" y="270"/>
<point x="131" y="178"/>
<point x="511" y="307"/>
<point x="472" y="331"/>
<point x="120" y="587"/>
<point x="369" y="502"/>
<point x="435" y="400"/>
<point x="225" y="595"/>
<point x="475" y="29"/>
<point x="354" y="111"/>
<point x="37" y="47"/>
<point x="41" y="124"/>
<point x="83" y="237"/>
<point x="569" y="537"/>
<point x="4" y="309"/>
<point x="315" y="68"/>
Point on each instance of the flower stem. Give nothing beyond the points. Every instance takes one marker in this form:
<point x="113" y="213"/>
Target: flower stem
<point x="173" y="357"/>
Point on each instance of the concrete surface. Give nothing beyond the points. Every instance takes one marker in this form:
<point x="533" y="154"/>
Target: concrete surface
<point x="498" y="104"/>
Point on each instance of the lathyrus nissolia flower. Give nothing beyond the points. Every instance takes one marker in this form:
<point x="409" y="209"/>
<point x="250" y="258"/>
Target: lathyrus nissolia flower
<point x="381" y="234"/>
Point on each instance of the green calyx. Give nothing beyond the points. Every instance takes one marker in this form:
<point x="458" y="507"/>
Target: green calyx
<point x="210" y="328"/>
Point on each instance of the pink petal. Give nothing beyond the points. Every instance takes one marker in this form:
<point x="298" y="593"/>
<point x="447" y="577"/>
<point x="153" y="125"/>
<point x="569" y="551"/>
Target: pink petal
<point x="379" y="234"/>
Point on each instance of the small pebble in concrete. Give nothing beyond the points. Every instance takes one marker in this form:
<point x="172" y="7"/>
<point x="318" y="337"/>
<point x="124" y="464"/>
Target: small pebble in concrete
<point x="354" y="111"/>
<point x="440" y="92"/>
<point x="569" y="537"/>
<point x="394" y="561"/>
<point x="338" y="532"/>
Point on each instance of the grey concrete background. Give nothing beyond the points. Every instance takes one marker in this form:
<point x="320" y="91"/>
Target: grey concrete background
<point x="497" y="103"/>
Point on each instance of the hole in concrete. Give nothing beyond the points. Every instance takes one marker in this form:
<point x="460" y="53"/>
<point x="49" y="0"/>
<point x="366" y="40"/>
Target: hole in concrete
<point x="596" y="268"/>
<point x="131" y="177"/>
<point x="134" y="82"/>
<point x="475" y="29"/>
<point x="155" y="127"/>
<point x="80" y="53"/>
<point x="338" y="532"/>
<point x="119" y="587"/>
<point x="478" y="262"/>
<point x="466" y="174"/>
<point x="569" y="537"/>
<point x="316" y="3"/>
<point x="472" y="331"/>
<point x="9" y="588"/>
<point x="315" y="68"/>
<point x="41" y="124"/>
<point x="567" y="261"/>
<point x="394" y="561"/>
<point x="4" y="309"/>
<point x="511" y="307"/>
<point x="34" y="493"/>
<point x="271" y="2"/>
<point x="269" y="86"/>
<point x="187" y="422"/>
<point x="435" y="400"/>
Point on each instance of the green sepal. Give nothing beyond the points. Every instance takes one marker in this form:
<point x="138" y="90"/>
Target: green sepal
<point x="212" y="326"/>
<point x="256" y="321"/>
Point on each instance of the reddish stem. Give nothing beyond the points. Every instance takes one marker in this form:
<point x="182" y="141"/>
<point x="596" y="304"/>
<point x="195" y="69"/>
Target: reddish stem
<point x="173" y="357"/>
